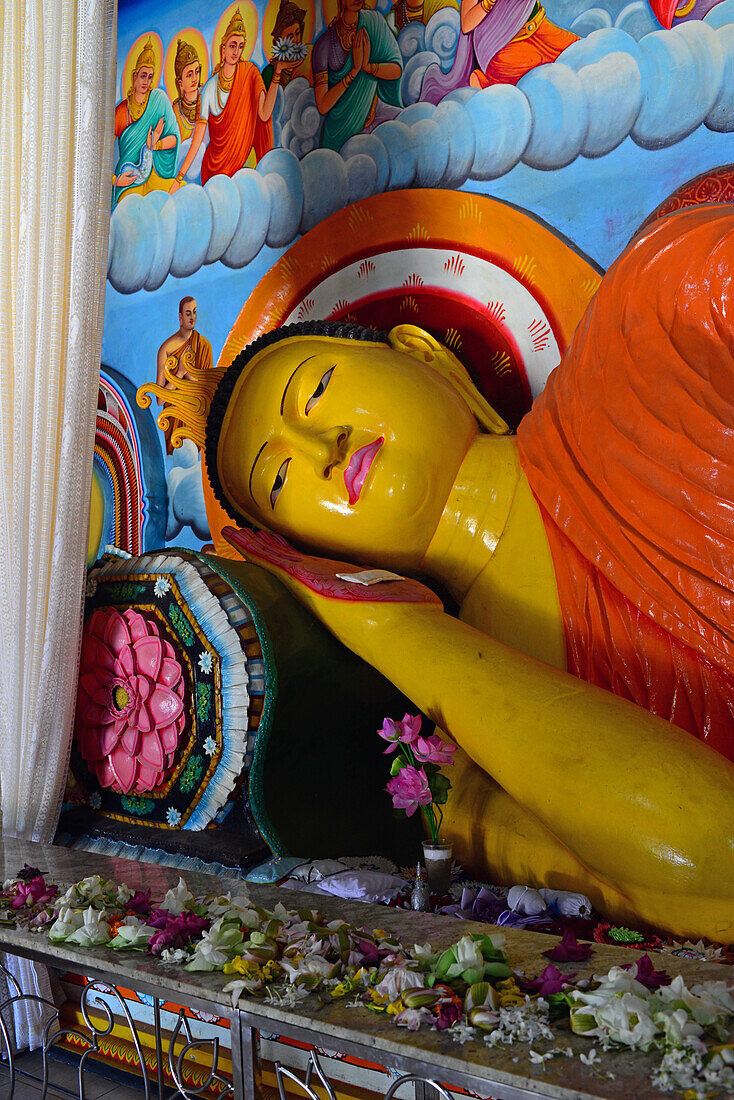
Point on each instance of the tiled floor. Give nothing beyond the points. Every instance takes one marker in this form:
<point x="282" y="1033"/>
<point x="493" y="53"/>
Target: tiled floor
<point x="66" y="1076"/>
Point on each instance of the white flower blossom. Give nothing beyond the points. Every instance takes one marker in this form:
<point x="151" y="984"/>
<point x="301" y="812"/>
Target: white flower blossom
<point x="174" y="955"/>
<point x="706" y="1002"/>
<point x="124" y="893"/>
<point x="224" y="905"/>
<point x="177" y="898"/>
<point x="67" y="922"/>
<point x="93" y="932"/>
<point x="308" y="967"/>
<point x="173" y="817"/>
<point x="625" y="1019"/>
<point x="206" y="662"/>
<point x="424" y="953"/>
<point x="525" y="1023"/>
<point x="133" y="932"/>
<point x="461" y="1032"/>
<point x="289" y="996"/>
<point x="216" y="947"/>
<point x="398" y="979"/>
<point x="412" y="1018"/>
<point x="210" y="746"/>
<point x="161" y="587"/>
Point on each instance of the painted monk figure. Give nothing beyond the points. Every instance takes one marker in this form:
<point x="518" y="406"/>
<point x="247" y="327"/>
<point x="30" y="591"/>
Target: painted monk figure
<point x="178" y="355"/>
<point x="237" y="108"/>
<point x="589" y="677"/>
<point x="501" y="40"/>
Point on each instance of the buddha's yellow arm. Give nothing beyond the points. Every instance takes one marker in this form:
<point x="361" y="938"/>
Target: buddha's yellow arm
<point x="644" y="806"/>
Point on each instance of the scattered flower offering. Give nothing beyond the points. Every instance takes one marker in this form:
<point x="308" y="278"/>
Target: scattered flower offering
<point x="469" y="992"/>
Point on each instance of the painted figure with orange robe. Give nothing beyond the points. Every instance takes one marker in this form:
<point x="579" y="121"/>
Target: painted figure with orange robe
<point x="501" y="40"/>
<point x="184" y="351"/>
<point x="237" y="108"/>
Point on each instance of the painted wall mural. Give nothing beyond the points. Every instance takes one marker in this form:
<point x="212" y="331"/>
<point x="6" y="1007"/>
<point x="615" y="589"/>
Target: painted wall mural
<point x="243" y="127"/>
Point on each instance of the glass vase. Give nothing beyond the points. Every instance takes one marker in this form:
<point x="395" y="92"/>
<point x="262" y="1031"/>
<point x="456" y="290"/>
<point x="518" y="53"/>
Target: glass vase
<point x="437" y="858"/>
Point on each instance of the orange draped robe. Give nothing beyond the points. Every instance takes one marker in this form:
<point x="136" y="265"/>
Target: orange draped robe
<point x="239" y="128"/>
<point x="630" y="454"/>
<point x="538" y="43"/>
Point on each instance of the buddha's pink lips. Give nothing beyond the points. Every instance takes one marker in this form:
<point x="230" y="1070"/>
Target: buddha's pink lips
<point x="359" y="466"/>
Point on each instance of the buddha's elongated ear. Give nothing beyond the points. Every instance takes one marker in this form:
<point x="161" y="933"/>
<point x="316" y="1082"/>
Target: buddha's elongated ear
<point x="424" y="348"/>
<point x="417" y="343"/>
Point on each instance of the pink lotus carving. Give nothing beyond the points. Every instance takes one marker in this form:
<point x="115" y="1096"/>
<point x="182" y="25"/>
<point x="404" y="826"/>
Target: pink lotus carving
<point x="129" y="710"/>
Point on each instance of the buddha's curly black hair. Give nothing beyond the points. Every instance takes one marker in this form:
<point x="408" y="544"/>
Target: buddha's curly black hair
<point x="337" y="329"/>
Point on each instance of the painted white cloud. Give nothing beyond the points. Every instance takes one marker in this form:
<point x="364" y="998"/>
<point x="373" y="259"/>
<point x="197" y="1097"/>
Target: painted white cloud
<point x="186" y="507"/>
<point x="607" y="86"/>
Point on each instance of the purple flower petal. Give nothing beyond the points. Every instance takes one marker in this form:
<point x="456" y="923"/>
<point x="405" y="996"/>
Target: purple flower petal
<point x="647" y="975"/>
<point x="569" y="949"/>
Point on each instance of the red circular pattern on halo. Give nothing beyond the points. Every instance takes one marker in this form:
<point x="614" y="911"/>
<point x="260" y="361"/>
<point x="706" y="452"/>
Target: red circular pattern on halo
<point x="710" y="188"/>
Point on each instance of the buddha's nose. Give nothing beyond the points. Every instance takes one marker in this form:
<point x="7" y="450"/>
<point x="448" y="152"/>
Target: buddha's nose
<point x="336" y="449"/>
<point x="328" y="448"/>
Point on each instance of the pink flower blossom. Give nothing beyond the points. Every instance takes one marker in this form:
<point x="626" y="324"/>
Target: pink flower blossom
<point x="178" y="931"/>
<point x="549" y="982"/>
<point x="139" y="902"/>
<point x="395" y="732"/>
<point x="449" y="1012"/>
<point x="129" y="712"/>
<point x="34" y="892"/>
<point x="409" y="790"/>
<point x="646" y="974"/>
<point x="433" y="750"/>
<point x="569" y="949"/>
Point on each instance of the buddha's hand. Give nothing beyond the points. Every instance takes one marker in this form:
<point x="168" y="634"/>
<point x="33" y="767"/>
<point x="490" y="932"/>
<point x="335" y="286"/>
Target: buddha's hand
<point x="314" y="580"/>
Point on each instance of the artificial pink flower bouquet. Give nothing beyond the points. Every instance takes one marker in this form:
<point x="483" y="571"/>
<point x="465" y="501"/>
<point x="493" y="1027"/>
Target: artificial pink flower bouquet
<point x="417" y="781"/>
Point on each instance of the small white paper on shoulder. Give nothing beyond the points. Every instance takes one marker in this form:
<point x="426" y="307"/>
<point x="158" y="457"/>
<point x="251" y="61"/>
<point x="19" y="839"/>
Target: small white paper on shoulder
<point x="370" y="576"/>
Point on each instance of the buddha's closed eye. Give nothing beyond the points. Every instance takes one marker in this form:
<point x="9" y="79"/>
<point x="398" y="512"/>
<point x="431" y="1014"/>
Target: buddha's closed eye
<point x="319" y="391"/>
<point x="279" y="482"/>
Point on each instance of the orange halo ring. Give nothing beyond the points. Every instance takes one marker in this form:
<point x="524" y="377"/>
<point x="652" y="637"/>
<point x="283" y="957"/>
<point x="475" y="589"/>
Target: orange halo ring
<point x="136" y="48"/>
<point x="192" y="37"/>
<point x="270" y="15"/>
<point x="251" y="20"/>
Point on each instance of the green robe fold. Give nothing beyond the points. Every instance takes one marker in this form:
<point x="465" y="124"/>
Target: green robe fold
<point x="350" y="114"/>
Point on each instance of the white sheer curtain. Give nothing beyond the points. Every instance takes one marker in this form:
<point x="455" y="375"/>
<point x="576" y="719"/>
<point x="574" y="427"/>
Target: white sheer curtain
<point x="56" y="111"/>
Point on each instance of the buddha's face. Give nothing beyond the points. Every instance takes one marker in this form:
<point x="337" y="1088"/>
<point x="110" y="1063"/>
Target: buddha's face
<point x="346" y="447"/>
<point x="189" y="82"/>
<point x="232" y="49"/>
<point x="142" y="81"/>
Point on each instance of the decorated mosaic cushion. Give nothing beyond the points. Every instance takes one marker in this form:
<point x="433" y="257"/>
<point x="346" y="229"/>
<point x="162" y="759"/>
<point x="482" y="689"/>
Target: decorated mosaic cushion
<point x="172" y="691"/>
<point x="218" y="723"/>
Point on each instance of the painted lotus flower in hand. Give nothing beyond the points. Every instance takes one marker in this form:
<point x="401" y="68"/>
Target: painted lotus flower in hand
<point x="129" y="713"/>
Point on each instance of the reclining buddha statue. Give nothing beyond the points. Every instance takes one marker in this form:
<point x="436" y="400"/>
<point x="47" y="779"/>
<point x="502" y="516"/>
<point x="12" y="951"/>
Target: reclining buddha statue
<point x="588" y="678"/>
